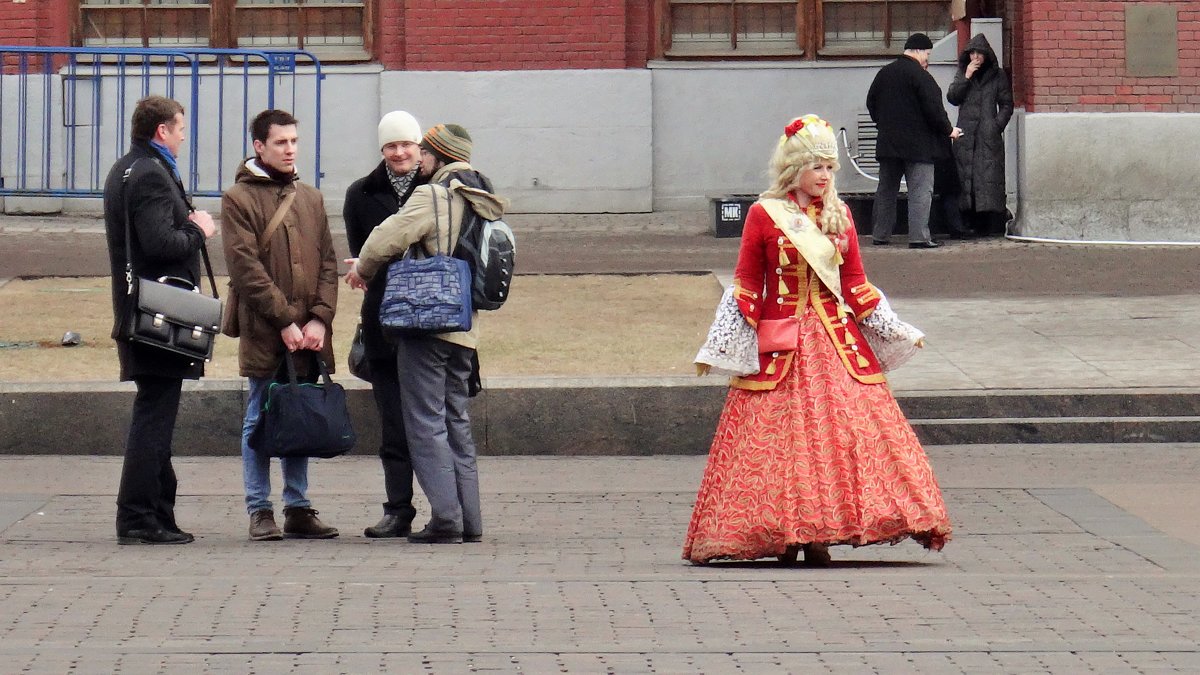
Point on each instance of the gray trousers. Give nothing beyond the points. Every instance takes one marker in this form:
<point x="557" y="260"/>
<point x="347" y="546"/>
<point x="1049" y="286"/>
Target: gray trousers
<point x="919" y="176"/>
<point x="433" y="397"/>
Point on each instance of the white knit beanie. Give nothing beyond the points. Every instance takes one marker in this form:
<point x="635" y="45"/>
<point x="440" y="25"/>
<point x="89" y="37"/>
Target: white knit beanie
<point x="398" y="126"/>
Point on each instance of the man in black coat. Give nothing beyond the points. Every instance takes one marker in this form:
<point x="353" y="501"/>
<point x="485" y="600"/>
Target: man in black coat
<point x="167" y="236"/>
<point x="905" y="103"/>
<point x="369" y="200"/>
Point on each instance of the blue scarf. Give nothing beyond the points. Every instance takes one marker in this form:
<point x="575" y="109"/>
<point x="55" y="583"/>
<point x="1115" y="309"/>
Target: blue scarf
<point x="166" y="154"/>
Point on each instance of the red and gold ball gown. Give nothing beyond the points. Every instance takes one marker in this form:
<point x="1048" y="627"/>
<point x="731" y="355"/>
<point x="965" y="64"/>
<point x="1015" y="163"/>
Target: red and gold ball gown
<point x="813" y="448"/>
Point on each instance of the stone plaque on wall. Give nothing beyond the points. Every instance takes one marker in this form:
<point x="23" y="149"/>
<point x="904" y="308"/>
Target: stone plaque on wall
<point x="1151" y="40"/>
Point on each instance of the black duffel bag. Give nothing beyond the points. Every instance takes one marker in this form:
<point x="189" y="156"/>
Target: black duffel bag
<point x="302" y="419"/>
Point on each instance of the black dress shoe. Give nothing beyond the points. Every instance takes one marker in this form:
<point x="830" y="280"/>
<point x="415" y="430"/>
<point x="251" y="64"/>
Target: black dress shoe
<point x="963" y="234"/>
<point x="428" y="536"/>
<point x="472" y="538"/>
<point x="155" y="536"/>
<point x="175" y="528"/>
<point x="924" y="244"/>
<point x="880" y="242"/>
<point x="388" y="527"/>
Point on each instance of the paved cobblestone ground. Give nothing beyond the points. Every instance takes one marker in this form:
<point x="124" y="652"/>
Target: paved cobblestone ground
<point x="580" y="572"/>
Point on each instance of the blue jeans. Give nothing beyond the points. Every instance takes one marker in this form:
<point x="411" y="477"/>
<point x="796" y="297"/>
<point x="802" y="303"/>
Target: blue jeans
<point x="256" y="470"/>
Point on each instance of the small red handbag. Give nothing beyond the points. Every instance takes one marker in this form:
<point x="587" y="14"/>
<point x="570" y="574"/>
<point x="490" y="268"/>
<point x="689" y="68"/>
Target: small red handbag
<point x="778" y="335"/>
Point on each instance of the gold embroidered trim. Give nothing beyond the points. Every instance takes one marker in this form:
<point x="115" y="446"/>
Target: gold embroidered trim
<point x="781" y="363"/>
<point x="865" y="293"/>
<point x="832" y="325"/>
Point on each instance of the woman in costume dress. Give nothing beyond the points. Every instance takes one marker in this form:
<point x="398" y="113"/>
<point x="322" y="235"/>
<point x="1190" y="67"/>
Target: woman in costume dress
<point x="812" y="450"/>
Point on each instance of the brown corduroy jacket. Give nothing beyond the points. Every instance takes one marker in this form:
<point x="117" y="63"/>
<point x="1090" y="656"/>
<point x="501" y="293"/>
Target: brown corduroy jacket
<point x="292" y="279"/>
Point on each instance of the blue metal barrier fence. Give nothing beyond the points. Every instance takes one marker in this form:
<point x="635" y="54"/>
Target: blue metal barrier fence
<point x="64" y="111"/>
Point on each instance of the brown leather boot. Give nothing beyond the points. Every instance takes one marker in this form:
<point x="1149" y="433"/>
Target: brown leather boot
<point x="263" y="527"/>
<point x="302" y="523"/>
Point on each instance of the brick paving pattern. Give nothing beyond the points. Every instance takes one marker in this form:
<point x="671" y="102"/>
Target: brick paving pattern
<point x="580" y="573"/>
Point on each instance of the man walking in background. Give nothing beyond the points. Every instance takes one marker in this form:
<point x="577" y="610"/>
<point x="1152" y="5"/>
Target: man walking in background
<point x="905" y="103"/>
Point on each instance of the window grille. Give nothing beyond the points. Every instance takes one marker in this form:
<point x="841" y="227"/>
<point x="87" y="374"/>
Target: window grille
<point x="758" y="28"/>
<point x="332" y="29"/>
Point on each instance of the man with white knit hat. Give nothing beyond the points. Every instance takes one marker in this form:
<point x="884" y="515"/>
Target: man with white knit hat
<point x="434" y="370"/>
<point x="369" y="200"/>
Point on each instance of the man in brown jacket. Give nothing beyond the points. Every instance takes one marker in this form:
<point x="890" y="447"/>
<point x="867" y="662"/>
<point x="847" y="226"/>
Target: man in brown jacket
<point x="283" y="270"/>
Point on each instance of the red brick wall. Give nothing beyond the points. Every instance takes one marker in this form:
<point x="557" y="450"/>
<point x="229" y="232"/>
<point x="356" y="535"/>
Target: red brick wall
<point x="1074" y="60"/>
<point x="443" y="34"/>
<point x="35" y="23"/>
<point x="389" y="36"/>
<point x="637" y="33"/>
<point x="19" y="23"/>
<point x="509" y="34"/>
<point x="1020" y="48"/>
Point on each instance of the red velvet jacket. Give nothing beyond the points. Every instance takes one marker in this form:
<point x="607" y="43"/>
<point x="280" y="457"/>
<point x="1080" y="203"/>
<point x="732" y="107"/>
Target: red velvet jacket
<point x="774" y="280"/>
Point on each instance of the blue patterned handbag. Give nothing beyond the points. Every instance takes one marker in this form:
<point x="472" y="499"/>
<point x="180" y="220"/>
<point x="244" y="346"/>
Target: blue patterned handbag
<point x="427" y="295"/>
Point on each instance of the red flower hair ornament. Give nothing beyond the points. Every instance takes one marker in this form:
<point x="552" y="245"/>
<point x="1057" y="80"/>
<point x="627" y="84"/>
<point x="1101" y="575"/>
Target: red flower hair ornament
<point x="816" y="132"/>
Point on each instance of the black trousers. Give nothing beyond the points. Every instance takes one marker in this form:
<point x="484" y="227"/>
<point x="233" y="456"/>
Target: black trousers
<point x="987" y="222"/>
<point x="951" y="216"/>
<point x="146" y="499"/>
<point x="393" y="446"/>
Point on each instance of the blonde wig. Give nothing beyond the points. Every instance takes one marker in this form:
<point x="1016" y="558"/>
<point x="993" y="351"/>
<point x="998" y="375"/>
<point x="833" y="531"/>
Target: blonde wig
<point x="806" y="142"/>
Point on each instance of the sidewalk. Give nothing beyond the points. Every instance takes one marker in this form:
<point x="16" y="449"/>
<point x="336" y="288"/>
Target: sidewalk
<point x="642" y="243"/>
<point x="579" y="572"/>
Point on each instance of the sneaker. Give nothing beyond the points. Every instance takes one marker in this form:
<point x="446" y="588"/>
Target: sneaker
<point x="302" y="523"/>
<point x="263" y="527"/>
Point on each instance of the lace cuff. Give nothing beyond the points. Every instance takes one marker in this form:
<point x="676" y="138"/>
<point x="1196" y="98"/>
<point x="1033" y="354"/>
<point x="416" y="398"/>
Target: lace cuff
<point x="732" y="345"/>
<point x="893" y="341"/>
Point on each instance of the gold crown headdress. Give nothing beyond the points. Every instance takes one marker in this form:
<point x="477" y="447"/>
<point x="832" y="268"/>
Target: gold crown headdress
<point x="815" y="133"/>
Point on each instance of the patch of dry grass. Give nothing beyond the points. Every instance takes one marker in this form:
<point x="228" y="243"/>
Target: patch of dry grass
<point x="552" y="325"/>
<point x="599" y="325"/>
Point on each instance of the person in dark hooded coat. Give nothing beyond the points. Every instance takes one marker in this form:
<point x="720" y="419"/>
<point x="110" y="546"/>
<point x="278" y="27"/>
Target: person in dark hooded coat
<point x="983" y="95"/>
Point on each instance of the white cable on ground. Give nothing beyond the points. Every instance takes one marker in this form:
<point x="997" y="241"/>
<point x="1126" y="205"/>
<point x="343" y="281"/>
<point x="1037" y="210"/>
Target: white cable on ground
<point x="1047" y="240"/>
